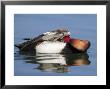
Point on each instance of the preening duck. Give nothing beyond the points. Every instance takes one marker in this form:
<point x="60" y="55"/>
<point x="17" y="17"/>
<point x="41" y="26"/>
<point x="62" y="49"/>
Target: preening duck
<point x="55" y="41"/>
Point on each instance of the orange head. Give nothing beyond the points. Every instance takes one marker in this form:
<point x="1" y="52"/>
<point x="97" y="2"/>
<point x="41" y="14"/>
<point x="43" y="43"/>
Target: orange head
<point x="81" y="45"/>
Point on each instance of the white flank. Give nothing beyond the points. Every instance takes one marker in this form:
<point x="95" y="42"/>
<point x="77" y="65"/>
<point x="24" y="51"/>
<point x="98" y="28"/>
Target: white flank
<point x="50" y="47"/>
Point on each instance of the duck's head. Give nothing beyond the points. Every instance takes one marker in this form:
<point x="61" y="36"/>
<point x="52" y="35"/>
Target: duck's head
<point x="80" y="45"/>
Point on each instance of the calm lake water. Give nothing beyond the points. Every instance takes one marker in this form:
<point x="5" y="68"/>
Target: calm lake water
<point x="81" y="26"/>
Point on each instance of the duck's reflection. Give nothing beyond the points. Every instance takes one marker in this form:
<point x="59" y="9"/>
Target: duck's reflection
<point x="52" y="62"/>
<point x="59" y="63"/>
<point x="77" y="59"/>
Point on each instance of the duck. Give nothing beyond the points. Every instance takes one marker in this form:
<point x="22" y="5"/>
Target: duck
<point x="57" y="41"/>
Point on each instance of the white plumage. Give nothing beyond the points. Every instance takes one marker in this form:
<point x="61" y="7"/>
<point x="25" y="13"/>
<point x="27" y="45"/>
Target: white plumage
<point x="50" y="47"/>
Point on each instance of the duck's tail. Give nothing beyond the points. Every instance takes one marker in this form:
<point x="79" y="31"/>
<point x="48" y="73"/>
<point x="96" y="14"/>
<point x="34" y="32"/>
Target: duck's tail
<point x="18" y="46"/>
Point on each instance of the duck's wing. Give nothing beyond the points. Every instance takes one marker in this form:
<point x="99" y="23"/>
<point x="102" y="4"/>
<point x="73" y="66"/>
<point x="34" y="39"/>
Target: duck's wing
<point x="30" y="44"/>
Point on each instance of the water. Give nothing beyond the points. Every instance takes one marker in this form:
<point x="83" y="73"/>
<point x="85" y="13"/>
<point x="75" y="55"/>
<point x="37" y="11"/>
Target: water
<point x="81" y="26"/>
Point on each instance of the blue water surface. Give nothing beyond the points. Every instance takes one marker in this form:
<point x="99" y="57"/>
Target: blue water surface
<point x="81" y="26"/>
